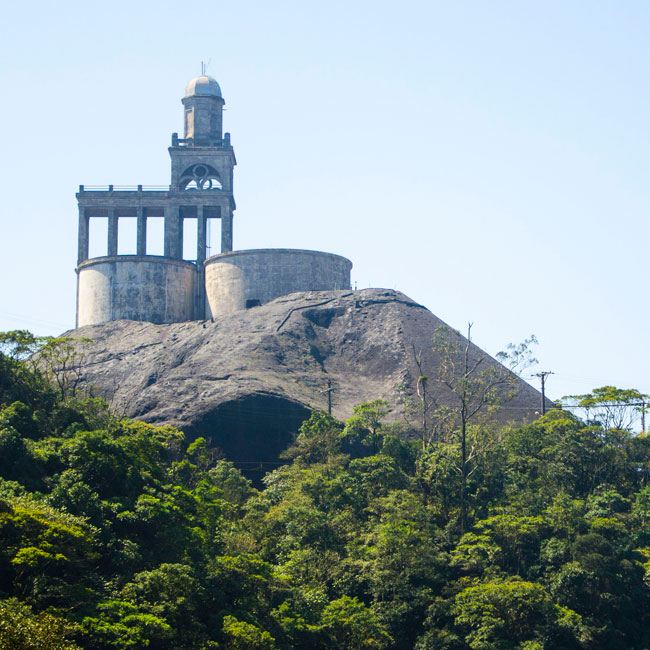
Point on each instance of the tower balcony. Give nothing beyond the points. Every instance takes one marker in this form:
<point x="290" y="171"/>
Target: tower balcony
<point x="189" y="142"/>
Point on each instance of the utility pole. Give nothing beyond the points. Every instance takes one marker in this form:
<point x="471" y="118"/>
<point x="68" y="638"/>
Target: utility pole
<point x="543" y="376"/>
<point x="329" y="391"/>
<point x="643" y="416"/>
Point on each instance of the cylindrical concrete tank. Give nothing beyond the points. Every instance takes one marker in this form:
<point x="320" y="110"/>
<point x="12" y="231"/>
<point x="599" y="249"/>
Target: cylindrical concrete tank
<point x="148" y="288"/>
<point x="243" y="279"/>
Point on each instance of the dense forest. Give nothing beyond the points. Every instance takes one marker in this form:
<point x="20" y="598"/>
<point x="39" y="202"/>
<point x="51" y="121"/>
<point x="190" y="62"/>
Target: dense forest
<point x="118" y="534"/>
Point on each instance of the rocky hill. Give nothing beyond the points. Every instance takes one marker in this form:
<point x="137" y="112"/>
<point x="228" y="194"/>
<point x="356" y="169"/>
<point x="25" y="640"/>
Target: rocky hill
<point x="248" y="379"/>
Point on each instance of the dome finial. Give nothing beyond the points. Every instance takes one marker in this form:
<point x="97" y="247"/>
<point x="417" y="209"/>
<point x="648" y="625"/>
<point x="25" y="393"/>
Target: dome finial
<point x="203" y="85"/>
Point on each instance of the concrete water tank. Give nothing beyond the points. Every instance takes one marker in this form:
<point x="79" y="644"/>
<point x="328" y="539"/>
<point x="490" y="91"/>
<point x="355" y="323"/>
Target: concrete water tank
<point x="148" y="288"/>
<point x="244" y="279"/>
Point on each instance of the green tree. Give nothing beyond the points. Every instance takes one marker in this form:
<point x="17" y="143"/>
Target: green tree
<point x="21" y="629"/>
<point x="318" y="440"/>
<point x="45" y="555"/>
<point x="516" y="614"/>
<point x="18" y="345"/>
<point x="246" y="636"/>
<point x="405" y="569"/>
<point x="367" y="423"/>
<point x="518" y="357"/>
<point x="121" y="625"/>
<point x="352" y="626"/>
<point x="508" y="542"/>
<point x="19" y="380"/>
<point x="61" y="360"/>
<point x="611" y="407"/>
<point x="173" y="594"/>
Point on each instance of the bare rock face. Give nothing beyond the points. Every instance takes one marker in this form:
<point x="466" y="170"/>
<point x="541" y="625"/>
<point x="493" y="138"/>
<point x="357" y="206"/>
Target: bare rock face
<point x="248" y="379"/>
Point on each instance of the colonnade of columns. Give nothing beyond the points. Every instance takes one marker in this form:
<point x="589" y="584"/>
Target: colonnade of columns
<point x="173" y="234"/>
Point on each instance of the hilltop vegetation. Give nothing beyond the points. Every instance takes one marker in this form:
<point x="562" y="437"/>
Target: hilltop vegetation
<point x="118" y="534"/>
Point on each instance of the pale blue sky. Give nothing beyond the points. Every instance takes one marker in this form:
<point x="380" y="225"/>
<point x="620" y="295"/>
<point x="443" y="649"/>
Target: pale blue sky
<point x="488" y="159"/>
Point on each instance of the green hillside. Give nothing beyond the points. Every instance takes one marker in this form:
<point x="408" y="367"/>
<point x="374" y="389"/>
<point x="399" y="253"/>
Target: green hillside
<point x="118" y="534"/>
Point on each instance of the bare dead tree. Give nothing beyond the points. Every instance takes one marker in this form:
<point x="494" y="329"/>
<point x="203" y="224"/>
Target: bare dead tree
<point x="475" y="386"/>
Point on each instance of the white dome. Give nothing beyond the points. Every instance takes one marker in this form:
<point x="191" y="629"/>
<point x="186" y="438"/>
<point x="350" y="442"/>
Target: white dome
<point x="203" y="85"/>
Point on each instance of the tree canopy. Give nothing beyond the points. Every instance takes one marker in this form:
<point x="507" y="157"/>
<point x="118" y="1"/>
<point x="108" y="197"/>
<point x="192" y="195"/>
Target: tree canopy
<point x="116" y="534"/>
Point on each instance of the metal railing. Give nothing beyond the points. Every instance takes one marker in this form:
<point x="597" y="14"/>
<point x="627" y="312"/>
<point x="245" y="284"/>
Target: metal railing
<point x="124" y="188"/>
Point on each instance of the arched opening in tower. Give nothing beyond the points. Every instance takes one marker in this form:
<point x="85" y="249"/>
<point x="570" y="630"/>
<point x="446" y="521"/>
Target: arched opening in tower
<point x="251" y="431"/>
<point x="201" y="177"/>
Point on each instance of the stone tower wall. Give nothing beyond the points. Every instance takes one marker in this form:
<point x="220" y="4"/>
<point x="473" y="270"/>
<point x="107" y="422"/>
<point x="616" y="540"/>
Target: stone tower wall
<point x="148" y="288"/>
<point x="242" y="279"/>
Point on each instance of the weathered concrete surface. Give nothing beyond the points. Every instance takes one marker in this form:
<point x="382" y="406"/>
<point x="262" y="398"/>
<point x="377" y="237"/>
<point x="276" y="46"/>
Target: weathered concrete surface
<point x="157" y="289"/>
<point x="256" y="365"/>
<point x="240" y="278"/>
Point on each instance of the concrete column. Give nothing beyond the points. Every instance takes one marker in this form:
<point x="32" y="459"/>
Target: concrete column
<point x="112" y="232"/>
<point x="173" y="233"/>
<point x="142" y="232"/>
<point x="199" y="297"/>
<point x="226" y="232"/>
<point x="83" y="236"/>
<point x="200" y="236"/>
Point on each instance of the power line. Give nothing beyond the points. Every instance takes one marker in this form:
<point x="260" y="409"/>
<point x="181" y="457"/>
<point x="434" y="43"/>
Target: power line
<point x="603" y="405"/>
<point x="38" y="321"/>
